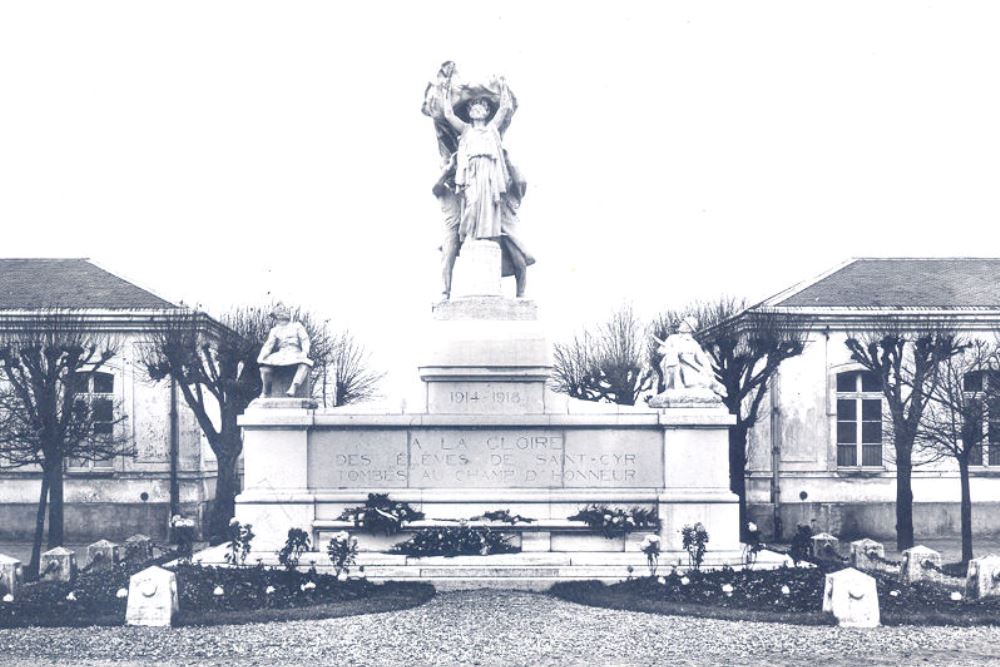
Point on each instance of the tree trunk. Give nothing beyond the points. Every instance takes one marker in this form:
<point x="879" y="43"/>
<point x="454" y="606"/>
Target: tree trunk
<point x="36" y="544"/>
<point x="56" y="505"/>
<point x="904" y="496"/>
<point x="738" y="471"/>
<point x="227" y="485"/>
<point x="963" y="470"/>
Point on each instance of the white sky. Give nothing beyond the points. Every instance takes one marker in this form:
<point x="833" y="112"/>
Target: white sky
<point x="224" y="152"/>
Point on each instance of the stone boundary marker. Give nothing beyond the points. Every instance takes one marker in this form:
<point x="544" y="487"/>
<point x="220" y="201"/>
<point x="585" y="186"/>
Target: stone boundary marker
<point x="920" y="563"/>
<point x="983" y="577"/>
<point x="152" y="598"/>
<point x="11" y="575"/>
<point x="58" y="564"/>
<point x="103" y="554"/>
<point x="852" y="597"/>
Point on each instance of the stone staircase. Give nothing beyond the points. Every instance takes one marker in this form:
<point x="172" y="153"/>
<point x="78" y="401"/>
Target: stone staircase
<point x="520" y="571"/>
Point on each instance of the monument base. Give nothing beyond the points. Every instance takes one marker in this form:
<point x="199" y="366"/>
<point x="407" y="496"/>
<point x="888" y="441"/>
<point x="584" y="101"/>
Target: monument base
<point x="491" y="437"/>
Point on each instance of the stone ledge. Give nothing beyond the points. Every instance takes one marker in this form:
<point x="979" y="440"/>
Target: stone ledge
<point x="485" y="308"/>
<point x="681" y="418"/>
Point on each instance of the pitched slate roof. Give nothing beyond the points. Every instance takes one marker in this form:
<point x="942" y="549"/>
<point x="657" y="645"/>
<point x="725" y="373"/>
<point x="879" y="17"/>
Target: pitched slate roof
<point x="902" y="283"/>
<point x="27" y="284"/>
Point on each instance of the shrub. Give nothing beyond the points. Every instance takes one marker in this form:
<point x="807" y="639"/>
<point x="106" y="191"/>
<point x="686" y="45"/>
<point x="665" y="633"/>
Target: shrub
<point x="455" y="541"/>
<point x="343" y="551"/>
<point x="296" y="543"/>
<point x="801" y="546"/>
<point x="182" y="534"/>
<point x="381" y="515"/>
<point x="240" y="539"/>
<point x="651" y="547"/>
<point x="753" y="545"/>
<point x="694" y="539"/>
<point x="615" y="522"/>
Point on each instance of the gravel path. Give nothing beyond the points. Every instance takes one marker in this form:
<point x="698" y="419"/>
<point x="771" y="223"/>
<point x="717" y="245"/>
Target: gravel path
<point x="502" y="628"/>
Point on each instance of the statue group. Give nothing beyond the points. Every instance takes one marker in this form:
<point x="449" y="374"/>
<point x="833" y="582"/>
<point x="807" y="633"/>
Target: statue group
<point x="479" y="188"/>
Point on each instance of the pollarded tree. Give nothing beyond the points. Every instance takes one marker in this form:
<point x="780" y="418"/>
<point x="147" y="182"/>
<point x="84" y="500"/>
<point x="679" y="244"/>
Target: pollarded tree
<point x="908" y="362"/>
<point x="53" y="409"/>
<point x="606" y="363"/>
<point x="355" y="381"/>
<point x="746" y="346"/>
<point x="962" y="408"/>
<point x="215" y="366"/>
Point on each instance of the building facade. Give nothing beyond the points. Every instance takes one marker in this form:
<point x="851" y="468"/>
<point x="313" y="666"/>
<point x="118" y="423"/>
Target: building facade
<point x="820" y="454"/>
<point x="173" y="470"/>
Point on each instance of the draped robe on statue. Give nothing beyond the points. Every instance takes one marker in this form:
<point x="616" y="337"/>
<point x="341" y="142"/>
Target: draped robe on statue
<point x="490" y="187"/>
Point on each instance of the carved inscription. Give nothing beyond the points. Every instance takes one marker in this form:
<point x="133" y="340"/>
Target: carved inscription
<point x="489" y="458"/>
<point x="485" y="398"/>
<point x="469" y="458"/>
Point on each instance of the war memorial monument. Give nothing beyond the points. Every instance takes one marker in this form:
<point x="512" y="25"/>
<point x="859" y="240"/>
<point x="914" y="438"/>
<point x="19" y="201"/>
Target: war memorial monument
<point x="491" y="435"/>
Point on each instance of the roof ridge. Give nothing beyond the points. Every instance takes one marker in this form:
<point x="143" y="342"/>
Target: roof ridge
<point x="923" y="259"/>
<point x="44" y="259"/>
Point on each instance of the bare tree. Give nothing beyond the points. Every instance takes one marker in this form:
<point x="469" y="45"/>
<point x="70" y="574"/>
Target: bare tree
<point x="215" y="366"/>
<point x="908" y="362"/>
<point x="48" y="364"/>
<point x="354" y="379"/>
<point x="606" y="363"/>
<point x="964" y="403"/>
<point x="747" y="346"/>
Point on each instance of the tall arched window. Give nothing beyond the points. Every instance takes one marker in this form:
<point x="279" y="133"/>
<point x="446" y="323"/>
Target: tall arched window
<point x="859" y="419"/>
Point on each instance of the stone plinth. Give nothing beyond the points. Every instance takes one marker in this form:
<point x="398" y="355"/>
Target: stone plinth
<point x="852" y="597"/>
<point x="983" y="577"/>
<point x="477" y="270"/>
<point x="920" y="563"/>
<point x="11" y="575"/>
<point x="58" y="564"/>
<point x="866" y="554"/>
<point x="102" y="555"/>
<point x="152" y="598"/>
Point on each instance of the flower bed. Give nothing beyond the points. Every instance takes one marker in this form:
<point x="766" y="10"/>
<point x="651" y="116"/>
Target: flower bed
<point x="787" y="595"/>
<point x="209" y="596"/>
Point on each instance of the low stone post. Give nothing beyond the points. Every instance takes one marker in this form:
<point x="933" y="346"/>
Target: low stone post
<point x="138" y="549"/>
<point x="103" y="555"/>
<point x="920" y="563"/>
<point x="983" y="577"/>
<point x="867" y="554"/>
<point x="852" y="597"/>
<point x="58" y="564"/>
<point x="152" y="598"/>
<point x="11" y="575"/>
<point x="825" y="545"/>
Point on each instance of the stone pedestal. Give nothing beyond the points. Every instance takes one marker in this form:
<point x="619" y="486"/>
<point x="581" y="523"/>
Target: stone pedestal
<point x="11" y="575"/>
<point x="696" y="477"/>
<point x="477" y="270"/>
<point x="152" y="598"/>
<point x="491" y="437"/>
